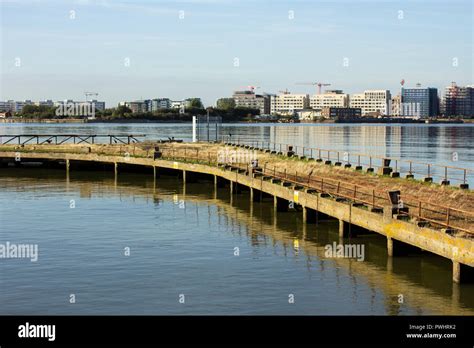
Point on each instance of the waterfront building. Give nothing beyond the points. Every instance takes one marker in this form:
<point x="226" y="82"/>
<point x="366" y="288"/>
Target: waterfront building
<point x="14" y="106"/>
<point x="47" y="102"/>
<point x="138" y="106"/>
<point x="177" y="104"/>
<point x="330" y="98"/>
<point x="372" y="102"/>
<point x="396" y="105"/>
<point x="99" y="105"/>
<point x="419" y="101"/>
<point x="5" y="106"/>
<point x="459" y="101"/>
<point x="248" y="99"/>
<point x="17" y="106"/>
<point x="288" y="104"/>
<point x="160" y="103"/>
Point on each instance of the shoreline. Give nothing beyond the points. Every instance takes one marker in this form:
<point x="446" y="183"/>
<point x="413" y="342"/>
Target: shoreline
<point x="349" y="121"/>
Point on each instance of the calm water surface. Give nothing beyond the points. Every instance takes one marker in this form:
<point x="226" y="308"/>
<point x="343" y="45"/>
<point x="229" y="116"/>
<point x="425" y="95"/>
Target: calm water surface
<point x="182" y="240"/>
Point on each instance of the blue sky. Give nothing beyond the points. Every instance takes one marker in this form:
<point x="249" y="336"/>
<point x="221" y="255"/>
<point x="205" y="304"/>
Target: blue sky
<point x="46" y="54"/>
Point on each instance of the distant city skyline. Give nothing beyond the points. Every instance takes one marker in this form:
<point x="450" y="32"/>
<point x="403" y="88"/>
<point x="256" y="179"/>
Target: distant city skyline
<point x="129" y="50"/>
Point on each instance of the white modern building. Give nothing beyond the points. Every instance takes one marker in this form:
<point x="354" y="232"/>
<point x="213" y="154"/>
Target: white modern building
<point x="288" y="104"/>
<point x="329" y="99"/>
<point x="177" y="104"/>
<point x="372" y="102"/>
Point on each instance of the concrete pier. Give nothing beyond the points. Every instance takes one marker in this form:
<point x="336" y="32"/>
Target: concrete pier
<point x="400" y="234"/>
<point x="344" y="229"/>
<point x="310" y="216"/>
<point x="280" y="204"/>
<point x="462" y="273"/>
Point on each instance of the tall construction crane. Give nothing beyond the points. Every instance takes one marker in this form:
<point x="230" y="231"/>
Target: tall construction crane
<point x="90" y="94"/>
<point x="319" y="84"/>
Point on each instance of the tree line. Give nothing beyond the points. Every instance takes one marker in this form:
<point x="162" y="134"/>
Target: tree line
<point x="228" y="114"/>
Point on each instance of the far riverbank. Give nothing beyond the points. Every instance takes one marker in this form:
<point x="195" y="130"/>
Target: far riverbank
<point x="128" y="120"/>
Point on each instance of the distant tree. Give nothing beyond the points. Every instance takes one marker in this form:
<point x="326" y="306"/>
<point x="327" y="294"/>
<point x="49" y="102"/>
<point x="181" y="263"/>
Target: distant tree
<point x="226" y="103"/>
<point x="195" y="103"/>
<point x="38" y="111"/>
<point x="121" y="111"/>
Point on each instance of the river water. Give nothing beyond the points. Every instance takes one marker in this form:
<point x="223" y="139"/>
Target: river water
<point x="134" y="245"/>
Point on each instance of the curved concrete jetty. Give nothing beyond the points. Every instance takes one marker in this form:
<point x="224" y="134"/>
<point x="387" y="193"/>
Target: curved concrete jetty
<point x="354" y="207"/>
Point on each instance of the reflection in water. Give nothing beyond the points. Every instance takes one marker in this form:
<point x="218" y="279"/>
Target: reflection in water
<point x="182" y="240"/>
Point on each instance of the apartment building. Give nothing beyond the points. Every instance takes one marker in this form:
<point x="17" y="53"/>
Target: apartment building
<point x="14" y="106"/>
<point x="288" y="104"/>
<point x="372" y="102"/>
<point x="459" y="101"/>
<point x="396" y="105"/>
<point x="48" y="103"/>
<point x="159" y="103"/>
<point x="419" y="101"/>
<point x="137" y="106"/>
<point x="249" y="99"/>
<point x="329" y="99"/>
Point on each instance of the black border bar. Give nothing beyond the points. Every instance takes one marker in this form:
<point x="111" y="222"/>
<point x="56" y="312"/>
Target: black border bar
<point x="224" y="330"/>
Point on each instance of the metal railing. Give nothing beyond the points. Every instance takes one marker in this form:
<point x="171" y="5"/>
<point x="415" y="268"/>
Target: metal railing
<point x="414" y="169"/>
<point x="59" y="139"/>
<point x="419" y="210"/>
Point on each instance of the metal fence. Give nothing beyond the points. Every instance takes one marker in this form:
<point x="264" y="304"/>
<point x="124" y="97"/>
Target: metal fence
<point x="59" y="139"/>
<point x="445" y="174"/>
<point x="419" y="210"/>
<point x="208" y="128"/>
